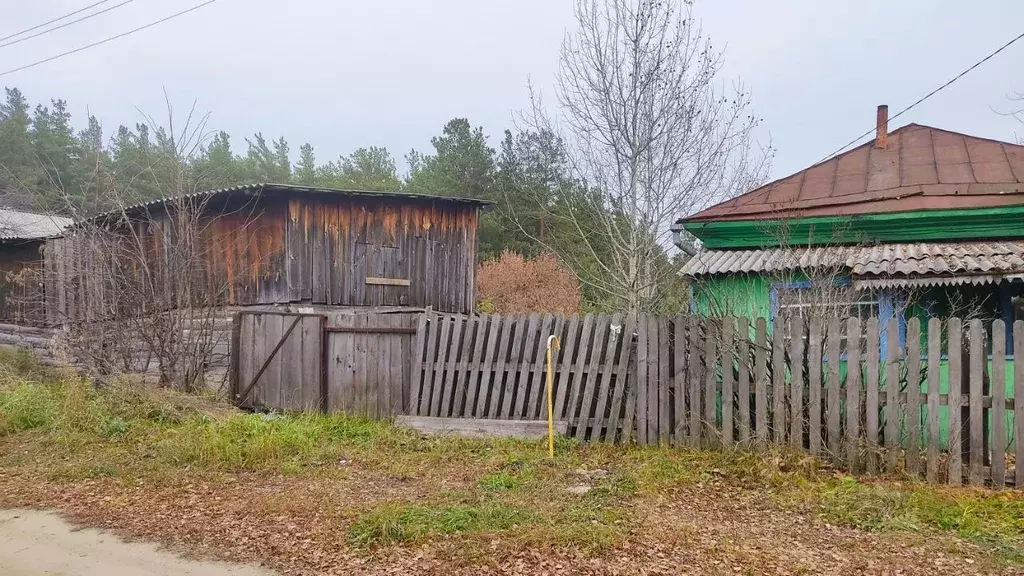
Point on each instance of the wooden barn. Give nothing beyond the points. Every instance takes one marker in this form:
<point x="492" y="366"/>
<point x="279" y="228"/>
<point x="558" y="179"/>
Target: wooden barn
<point x="22" y="236"/>
<point x="287" y="246"/>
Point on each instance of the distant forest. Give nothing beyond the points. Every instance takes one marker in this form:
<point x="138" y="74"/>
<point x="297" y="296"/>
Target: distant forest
<point x="45" y="165"/>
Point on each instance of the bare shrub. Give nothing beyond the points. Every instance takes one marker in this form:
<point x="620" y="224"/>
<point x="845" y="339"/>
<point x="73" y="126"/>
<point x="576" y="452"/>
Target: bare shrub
<point x="513" y="284"/>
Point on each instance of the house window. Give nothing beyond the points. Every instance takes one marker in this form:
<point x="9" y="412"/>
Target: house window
<point x="837" y="301"/>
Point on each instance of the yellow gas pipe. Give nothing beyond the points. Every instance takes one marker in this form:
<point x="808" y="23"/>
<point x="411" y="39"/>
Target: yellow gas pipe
<point x="551" y="391"/>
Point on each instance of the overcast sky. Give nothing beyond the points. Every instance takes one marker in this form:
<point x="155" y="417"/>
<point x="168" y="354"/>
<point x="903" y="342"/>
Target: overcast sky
<point x="342" y="74"/>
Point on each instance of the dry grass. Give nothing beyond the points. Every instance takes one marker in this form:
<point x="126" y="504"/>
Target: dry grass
<point x="360" y="487"/>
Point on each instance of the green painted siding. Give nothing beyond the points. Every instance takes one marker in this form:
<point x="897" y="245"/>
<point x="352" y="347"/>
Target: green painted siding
<point x="916" y="226"/>
<point x="746" y="295"/>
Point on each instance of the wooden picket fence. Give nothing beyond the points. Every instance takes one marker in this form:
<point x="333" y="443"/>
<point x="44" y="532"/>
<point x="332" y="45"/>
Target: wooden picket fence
<point x="941" y="407"/>
<point x="493" y="366"/>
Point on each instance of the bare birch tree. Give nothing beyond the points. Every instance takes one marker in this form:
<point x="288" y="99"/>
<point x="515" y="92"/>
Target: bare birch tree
<point x="650" y="135"/>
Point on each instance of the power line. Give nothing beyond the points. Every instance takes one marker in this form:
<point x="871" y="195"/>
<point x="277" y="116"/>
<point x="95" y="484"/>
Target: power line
<point x="105" y="40"/>
<point x="58" y="19"/>
<point x="66" y="24"/>
<point x="929" y="95"/>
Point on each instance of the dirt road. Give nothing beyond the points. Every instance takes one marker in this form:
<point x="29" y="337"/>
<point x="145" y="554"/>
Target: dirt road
<point x="34" y="543"/>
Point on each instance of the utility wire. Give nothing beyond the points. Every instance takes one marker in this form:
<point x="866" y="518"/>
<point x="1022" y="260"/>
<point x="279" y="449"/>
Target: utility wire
<point x="58" y="19"/>
<point x="66" y="24"/>
<point x="928" y="95"/>
<point x="105" y="40"/>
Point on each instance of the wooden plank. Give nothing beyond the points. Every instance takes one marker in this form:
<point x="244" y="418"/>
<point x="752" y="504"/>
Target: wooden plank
<point x="832" y="414"/>
<point x="643" y="390"/>
<point x="578" y="382"/>
<point x="313" y="368"/>
<point x="934" y="367"/>
<point x="814" y="369"/>
<point x="955" y="369"/>
<point x="379" y="346"/>
<point x="761" y="382"/>
<point x="679" y="381"/>
<point x="486" y="384"/>
<point x="1018" y="394"/>
<point x="710" y="384"/>
<point x="246" y="357"/>
<point x="450" y="369"/>
<point x="530" y="353"/>
<point x="892" y="390"/>
<point x="999" y="403"/>
<point x="621" y="394"/>
<point x="500" y="364"/>
<point x="583" y="419"/>
<point x="778" y="386"/>
<point x="871" y="394"/>
<point x="471" y="330"/>
<point x="975" y="427"/>
<point x="853" y="388"/>
<point x="743" y="381"/>
<point x="604" y="388"/>
<point x="536" y="405"/>
<point x="478" y="428"/>
<point x="516" y="346"/>
<point x="292" y="361"/>
<point x="695" y="365"/>
<point x="799" y="380"/>
<point x="377" y="281"/>
<point x="473" y="367"/>
<point x="234" y="360"/>
<point x="914" y="397"/>
<point x="728" y="329"/>
<point x="437" y="380"/>
<point x="567" y="351"/>
<point x="416" y="382"/>
<point x="664" y="383"/>
<point x="365" y="370"/>
<point x="429" y="363"/>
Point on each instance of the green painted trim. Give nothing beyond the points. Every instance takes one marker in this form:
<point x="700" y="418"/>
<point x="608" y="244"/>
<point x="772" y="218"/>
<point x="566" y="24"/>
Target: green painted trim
<point x="914" y="226"/>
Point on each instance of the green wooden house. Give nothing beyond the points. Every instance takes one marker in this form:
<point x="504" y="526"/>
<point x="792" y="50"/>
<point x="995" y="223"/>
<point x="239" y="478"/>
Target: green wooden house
<point x="919" y="222"/>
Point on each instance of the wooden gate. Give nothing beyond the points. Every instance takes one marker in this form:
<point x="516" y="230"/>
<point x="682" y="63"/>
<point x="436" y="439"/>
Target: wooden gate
<point x="323" y="362"/>
<point x="369" y="363"/>
<point x="277" y="361"/>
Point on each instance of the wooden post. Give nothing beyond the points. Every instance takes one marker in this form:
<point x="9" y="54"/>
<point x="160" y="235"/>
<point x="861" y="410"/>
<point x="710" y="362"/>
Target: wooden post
<point x="956" y="388"/>
<point x="914" y="397"/>
<point x="975" y="425"/>
<point x="892" y="394"/>
<point x="998" y="465"/>
<point x="871" y="395"/>
<point x="796" y="395"/>
<point x="934" y="367"/>
<point x="852" y="393"/>
<point x="760" y="382"/>
<point x="235" y="354"/>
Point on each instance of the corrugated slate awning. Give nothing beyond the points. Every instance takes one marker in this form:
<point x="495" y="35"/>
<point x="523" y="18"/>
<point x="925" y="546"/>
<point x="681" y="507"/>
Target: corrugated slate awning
<point x="955" y="262"/>
<point x="17" y="225"/>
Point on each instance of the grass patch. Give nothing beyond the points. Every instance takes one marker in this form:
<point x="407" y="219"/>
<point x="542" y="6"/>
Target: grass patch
<point x="400" y="523"/>
<point x="992" y="519"/>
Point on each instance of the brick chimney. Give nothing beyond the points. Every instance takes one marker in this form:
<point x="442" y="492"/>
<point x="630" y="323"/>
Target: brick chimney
<point x="882" y="128"/>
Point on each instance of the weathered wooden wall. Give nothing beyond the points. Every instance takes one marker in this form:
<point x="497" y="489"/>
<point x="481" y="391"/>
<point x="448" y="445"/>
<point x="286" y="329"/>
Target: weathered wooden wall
<point x="324" y="249"/>
<point x="20" y="297"/>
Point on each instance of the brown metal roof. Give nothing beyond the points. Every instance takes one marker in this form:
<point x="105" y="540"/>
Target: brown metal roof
<point x="907" y="260"/>
<point x="922" y="168"/>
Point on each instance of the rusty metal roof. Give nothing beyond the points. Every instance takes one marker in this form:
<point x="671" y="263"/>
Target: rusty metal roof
<point x="903" y="260"/>
<point x="921" y="168"/>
